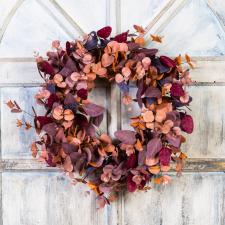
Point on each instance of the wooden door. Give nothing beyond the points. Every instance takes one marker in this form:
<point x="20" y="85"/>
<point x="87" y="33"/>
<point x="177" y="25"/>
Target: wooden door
<point x="32" y="194"/>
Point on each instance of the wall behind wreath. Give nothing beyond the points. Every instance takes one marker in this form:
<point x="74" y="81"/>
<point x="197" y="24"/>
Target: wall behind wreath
<point x="32" y="194"/>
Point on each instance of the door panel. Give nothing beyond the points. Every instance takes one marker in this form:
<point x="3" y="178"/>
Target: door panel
<point x="35" y="194"/>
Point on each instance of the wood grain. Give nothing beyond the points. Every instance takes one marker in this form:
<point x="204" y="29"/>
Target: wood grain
<point x="190" y="199"/>
<point x="194" y="165"/>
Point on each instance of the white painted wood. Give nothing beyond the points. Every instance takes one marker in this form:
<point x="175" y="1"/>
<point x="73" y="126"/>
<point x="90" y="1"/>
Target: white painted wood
<point x="45" y="199"/>
<point x="35" y="30"/>
<point x="148" y="10"/>
<point x="200" y="33"/>
<point x="91" y="14"/>
<point x="192" y="199"/>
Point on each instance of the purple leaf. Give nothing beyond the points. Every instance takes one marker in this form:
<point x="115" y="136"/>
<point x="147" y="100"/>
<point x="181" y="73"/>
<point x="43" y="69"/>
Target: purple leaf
<point x="161" y="68"/>
<point x="126" y="136"/>
<point x="91" y="130"/>
<point x="97" y="120"/>
<point x="153" y="92"/>
<point x="173" y="140"/>
<point x="93" y="110"/>
<point x="69" y="99"/>
<point x="153" y="147"/>
<point x="92" y="41"/>
<point x="69" y="148"/>
<point x="50" y="129"/>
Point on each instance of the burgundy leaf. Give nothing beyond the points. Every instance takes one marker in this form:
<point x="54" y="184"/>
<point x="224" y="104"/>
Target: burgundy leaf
<point x="126" y="136"/>
<point x="131" y="161"/>
<point x="49" y="161"/>
<point x="121" y="37"/>
<point x="68" y="48"/>
<point x="177" y="90"/>
<point x="131" y="185"/>
<point x="45" y="67"/>
<point x="164" y="156"/>
<point x="40" y="121"/>
<point x="140" y="92"/>
<point x="153" y="92"/>
<point x="104" y="32"/>
<point x="93" y="110"/>
<point x="187" y="124"/>
<point x="153" y="147"/>
<point x="166" y="61"/>
<point x="82" y="93"/>
<point x="81" y="120"/>
<point x="51" y="100"/>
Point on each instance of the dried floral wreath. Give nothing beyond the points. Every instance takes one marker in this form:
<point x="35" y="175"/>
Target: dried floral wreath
<point x="69" y="133"/>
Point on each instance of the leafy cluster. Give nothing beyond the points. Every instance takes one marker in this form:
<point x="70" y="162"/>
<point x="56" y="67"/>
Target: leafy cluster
<point x="69" y="132"/>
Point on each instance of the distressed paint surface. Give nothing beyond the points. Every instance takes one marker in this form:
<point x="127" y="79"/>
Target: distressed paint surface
<point x="148" y="9"/>
<point x="200" y="33"/>
<point x="45" y="199"/>
<point x="79" y="10"/>
<point x="27" y="24"/>
<point x="192" y="199"/>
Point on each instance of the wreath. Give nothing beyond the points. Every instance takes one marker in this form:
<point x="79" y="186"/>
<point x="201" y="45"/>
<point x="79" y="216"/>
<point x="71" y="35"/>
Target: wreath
<point x="69" y="133"/>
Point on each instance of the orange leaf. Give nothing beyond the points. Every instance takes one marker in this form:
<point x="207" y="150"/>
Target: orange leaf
<point x="178" y="60"/>
<point x="188" y="59"/>
<point x="156" y="38"/>
<point x="182" y="156"/>
<point x="154" y="169"/>
<point x="10" y="104"/>
<point x="158" y="180"/>
<point x="140" y="41"/>
<point x="28" y="125"/>
<point x="93" y="187"/>
<point x="19" y="123"/>
<point x="139" y="29"/>
<point x="138" y="145"/>
<point x="34" y="149"/>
